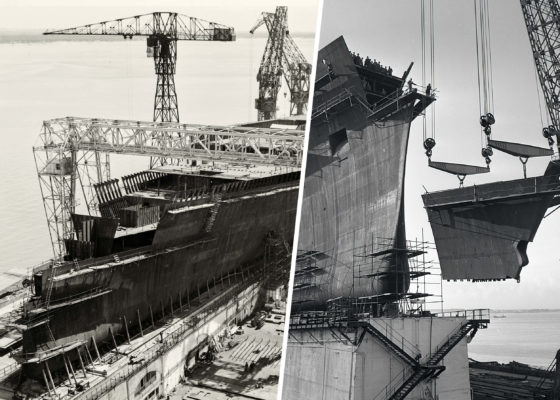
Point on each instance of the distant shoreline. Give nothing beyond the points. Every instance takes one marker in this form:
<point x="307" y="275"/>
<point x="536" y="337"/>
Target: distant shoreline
<point x="31" y="36"/>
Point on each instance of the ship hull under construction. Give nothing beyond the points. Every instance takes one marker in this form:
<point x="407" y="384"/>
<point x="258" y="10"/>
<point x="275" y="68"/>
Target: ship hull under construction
<point x="173" y="236"/>
<point x="354" y="187"/>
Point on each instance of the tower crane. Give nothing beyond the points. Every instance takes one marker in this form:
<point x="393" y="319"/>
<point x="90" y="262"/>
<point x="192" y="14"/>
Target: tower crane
<point x="542" y="20"/>
<point x="281" y="57"/>
<point x="163" y="30"/>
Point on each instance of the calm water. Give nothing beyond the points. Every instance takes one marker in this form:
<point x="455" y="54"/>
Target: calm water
<point x="43" y="79"/>
<point x="530" y="337"/>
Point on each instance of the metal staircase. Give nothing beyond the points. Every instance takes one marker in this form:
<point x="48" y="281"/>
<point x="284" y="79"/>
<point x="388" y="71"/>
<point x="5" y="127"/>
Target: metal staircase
<point x="403" y="355"/>
<point x="430" y="369"/>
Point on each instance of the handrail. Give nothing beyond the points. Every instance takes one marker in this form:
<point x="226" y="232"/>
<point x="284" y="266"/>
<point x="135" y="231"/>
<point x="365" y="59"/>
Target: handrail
<point x="332" y="101"/>
<point x="477" y="314"/>
<point x="541" y="184"/>
<point x="405" y="344"/>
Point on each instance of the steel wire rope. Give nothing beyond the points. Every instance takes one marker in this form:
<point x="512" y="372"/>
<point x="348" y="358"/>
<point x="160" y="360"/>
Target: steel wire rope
<point x="423" y="36"/>
<point x="432" y="64"/>
<point x="478" y="68"/>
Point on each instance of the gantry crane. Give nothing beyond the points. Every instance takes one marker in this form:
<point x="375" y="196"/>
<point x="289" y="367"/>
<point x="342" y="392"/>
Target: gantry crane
<point x="281" y="57"/>
<point x="542" y="19"/>
<point x="163" y="30"/>
<point x="64" y="156"/>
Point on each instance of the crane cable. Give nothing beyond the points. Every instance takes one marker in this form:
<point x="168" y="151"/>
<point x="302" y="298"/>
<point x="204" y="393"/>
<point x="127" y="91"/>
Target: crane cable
<point x="427" y="32"/>
<point x="484" y="74"/>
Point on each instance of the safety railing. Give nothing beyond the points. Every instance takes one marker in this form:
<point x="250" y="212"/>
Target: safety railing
<point x="331" y="102"/>
<point x="405" y="345"/>
<point x="479" y="314"/>
<point x="538" y="185"/>
<point x="9" y="370"/>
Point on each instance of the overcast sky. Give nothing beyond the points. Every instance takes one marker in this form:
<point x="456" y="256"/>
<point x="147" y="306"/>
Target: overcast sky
<point x="42" y="15"/>
<point x="389" y="31"/>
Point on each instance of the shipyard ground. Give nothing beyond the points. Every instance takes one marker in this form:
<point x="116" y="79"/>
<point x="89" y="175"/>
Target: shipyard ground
<point x="152" y="364"/>
<point x="227" y="376"/>
<point x="492" y="380"/>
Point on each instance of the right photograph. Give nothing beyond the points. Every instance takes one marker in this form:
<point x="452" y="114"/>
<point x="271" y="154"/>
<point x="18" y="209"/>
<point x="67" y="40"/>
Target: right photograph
<point x="461" y="302"/>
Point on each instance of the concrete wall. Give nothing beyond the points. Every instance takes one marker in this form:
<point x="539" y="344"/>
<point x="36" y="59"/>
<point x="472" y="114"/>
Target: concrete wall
<point x="321" y="366"/>
<point x="169" y="367"/>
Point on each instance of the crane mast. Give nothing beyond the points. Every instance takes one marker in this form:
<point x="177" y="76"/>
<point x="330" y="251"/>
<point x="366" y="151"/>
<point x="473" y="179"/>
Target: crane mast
<point x="163" y="30"/>
<point x="542" y="20"/>
<point x="63" y="171"/>
<point x="281" y="57"/>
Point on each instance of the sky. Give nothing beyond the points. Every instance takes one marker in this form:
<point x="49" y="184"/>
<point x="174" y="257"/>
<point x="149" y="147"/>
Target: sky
<point x="389" y="31"/>
<point x="41" y="15"/>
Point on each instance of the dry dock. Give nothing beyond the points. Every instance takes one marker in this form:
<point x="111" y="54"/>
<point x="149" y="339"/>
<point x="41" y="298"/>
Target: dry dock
<point x="154" y="362"/>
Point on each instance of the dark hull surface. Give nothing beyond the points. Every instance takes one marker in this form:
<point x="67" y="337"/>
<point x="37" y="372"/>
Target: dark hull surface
<point x="183" y="261"/>
<point x="354" y="189"/>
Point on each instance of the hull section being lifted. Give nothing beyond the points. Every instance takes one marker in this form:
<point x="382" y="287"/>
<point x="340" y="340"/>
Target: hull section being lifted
<point x="482" y="232"/>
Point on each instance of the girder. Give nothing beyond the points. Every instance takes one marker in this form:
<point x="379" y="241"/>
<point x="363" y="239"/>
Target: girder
<point x="173" y="25"/>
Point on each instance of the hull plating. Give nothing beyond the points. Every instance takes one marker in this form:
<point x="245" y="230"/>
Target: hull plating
<point x="353" y="196"/>
<point x="156" y="277"/>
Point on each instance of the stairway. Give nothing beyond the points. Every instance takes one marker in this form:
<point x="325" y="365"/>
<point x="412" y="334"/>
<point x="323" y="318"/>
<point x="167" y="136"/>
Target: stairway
<point x="431" y="369"/>
<point x="403" y="355"/>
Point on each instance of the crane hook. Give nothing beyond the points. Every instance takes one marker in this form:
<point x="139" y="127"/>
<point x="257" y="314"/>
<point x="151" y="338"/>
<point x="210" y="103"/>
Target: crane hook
<point x="487" y="153"/>
<point x="486" y="121"/>
<point x="548" y="133"/>
<point x="429" y="144"/>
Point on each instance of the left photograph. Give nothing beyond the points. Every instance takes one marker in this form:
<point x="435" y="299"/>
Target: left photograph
<point x="151" y="167"/>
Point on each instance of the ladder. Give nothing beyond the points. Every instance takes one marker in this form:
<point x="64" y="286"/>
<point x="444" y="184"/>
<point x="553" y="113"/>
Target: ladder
<point x="54" y="267"/>
<point x="213" y="213"/>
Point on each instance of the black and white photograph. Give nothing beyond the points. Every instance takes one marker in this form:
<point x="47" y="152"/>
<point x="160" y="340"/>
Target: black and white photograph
<point x="151" y="164"/>
<point x="426" y="263"/>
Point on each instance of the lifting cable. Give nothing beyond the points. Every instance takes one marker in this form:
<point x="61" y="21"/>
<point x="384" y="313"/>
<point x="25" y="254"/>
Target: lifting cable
<point x="484" y="73"/>
<point x="427" y="33"/>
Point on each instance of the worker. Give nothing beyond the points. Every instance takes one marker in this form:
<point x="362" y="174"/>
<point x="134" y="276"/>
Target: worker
<point x="410" y="83"/>
<point x="429" y="89"/>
